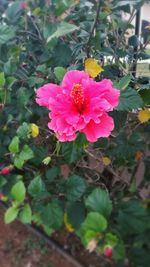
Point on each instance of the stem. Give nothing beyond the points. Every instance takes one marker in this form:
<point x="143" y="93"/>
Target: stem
<point x="92" y="29"/>
<point x="36" y="28"/>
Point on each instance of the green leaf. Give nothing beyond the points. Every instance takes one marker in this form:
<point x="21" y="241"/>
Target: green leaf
<point x="119" y="251"/>
<point x="14" y="145"/>
<point x="99" y="201"/>
<point x="12" y="12"/>
<point x="26" y="153"/>
<point x="59" y="73"/>
<point x="62" y="29"/>
<point x="10" y="81"/>
<point x="52" y="173"/>
<point x="133" y="218"/>
<point x="48" y="230"/>
<point x="129" y="100"/>
<point x="103" y="15"/>
<point x="89" y="235"/>
<point x="52" y="215"/>
<point x="111" y="239"/>
<point x="36" y="187"/>
<point x="6" y="33"/>
<point x="124" y="82"/>
<point x="2" y="79"/>
<point x="10" y="67"/>
<point x="62" y="55"/>
<point x="145" y="95"/>
<point x="75" y="187"/>
<point x="76" y="213"/>
<point x="25" y="214"/>
<point x="18" y="162"/>
<point x="23" y="96"/>
<point x="95" y="222"/>
<point x="126" y="2"/>
<point x="18" y="192"/>
<point x="23" y="130"/>
<point x="3" y="181"/>
<point x="61" y="6"/>
<point x="133" y="41"/>
<point x="10" y="214"/>
<point x="120" y="118"/>
<point x="71" y="152"/>
<point x="140" y="256"/>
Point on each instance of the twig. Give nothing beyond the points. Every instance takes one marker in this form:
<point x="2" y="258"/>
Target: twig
<point x="36" y="28"/>
<point x="133" y="13"/>
<point x="92" y="29"/>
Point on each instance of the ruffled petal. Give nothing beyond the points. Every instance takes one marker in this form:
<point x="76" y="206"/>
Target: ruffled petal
<point x="65" y="138"/>
<point x="89" y="116"/>
<point x="73" y="77"/>
<point x="45" y="92"/>
<point x="109" y="93"/>
<point x="93" y="130"/>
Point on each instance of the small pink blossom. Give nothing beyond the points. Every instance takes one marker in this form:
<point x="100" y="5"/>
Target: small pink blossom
<point x="5" y="170"/>
<point x="79" y="104"/>
<point x="108" y="251"/>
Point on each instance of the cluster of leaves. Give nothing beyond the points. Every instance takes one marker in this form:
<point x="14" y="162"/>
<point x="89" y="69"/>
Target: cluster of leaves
<point x="56" y="184"/>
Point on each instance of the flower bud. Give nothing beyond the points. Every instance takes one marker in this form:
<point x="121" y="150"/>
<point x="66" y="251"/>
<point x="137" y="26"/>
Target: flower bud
<point x="3" y="197"/>
<point x="92" y="245"/>
<point x="47" y="160"/>
<point x="5" y="170"/>
<point x="108" y="251"/>
<point x="23" y="5"/>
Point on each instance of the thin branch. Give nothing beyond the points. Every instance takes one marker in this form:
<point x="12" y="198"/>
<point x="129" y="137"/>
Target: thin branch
<point x="92" y="29"/>
<point x="36" y="28"/>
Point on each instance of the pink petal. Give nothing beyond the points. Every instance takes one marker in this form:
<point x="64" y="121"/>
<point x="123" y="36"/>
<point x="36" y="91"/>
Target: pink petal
<point x="73" y="77"/>
<point x="93" y="130"/>
<point x="65" y="138"/>
<point x="45" y="92"/>
<point x="110" y="94"/>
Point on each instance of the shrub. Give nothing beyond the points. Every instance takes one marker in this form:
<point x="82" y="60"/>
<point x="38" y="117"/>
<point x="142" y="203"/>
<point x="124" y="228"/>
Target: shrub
<point x="95" y="190"/>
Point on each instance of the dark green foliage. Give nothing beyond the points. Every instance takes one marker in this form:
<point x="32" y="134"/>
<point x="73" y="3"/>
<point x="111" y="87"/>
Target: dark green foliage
<point x="107" y="203"/>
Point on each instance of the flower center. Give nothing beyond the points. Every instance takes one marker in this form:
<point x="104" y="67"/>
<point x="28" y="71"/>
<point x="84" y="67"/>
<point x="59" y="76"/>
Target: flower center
<point x="77" y="94"/>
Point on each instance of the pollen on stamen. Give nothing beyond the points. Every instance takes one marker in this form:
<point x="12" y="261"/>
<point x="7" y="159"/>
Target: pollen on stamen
<point x="77" y="94"/>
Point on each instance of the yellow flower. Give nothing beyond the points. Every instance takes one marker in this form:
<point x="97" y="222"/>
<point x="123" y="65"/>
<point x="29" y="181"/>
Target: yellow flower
<point x="92" y="67"/>
<point x="144" y="115"/>
<point x="68" y="225"/>
<point x="34" y="130"/>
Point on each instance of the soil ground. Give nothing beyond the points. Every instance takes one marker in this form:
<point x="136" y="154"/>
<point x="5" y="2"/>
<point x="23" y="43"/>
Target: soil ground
<point x="21" y="248"/>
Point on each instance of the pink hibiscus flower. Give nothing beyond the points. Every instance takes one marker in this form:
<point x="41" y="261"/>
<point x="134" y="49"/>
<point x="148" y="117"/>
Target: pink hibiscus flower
<point x="79" y="104"/>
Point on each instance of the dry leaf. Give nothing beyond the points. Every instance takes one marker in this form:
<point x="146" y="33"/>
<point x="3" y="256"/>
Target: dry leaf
<point x="34" y="130"/>
<point x="67" y="224"/>
<point x="106" y="161"/>
<point x="144" y="115"/>
<point x="92" y="67"/>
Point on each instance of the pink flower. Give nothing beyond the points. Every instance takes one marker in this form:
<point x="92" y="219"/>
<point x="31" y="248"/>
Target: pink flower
<point x="79" y="104"/>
